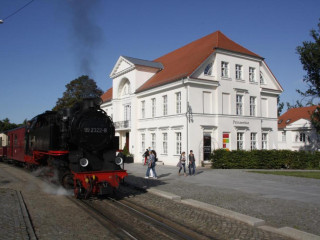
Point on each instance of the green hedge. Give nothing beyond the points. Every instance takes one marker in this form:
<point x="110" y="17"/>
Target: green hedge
<point x="265" y="159"/>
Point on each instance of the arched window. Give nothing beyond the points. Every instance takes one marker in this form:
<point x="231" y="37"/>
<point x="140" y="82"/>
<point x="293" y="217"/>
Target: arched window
<point x="208" y="69"/>
<point x="124" y="88"/>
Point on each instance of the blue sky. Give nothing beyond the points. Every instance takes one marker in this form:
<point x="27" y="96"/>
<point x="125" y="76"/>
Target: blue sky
<point x="52" y="42"/>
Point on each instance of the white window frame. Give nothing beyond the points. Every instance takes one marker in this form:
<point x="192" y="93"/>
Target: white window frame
<point x="239" y="104"/>
<point x="153" y="141"/>
<point x="153" y="106"/>
<point x="143" y="142"/>
<point x="262" y="80"/>
<point x="178" y="102"/>
<point x="264" y="141"/>
<point x="165" y="105"/>
<point x="238" y="72"/>
<point x="224" y="69"/>
<point x="165" y="143"/>
<point x="253" y="106"/>
<point x="284" y="136"/>
<point x="252" y="74"/>
<point x="240" y="140"/>
<point x="178" y="142"/>
<point x="208" y="70"/>
<point x="143" y="109"/>
<point x="253" y="141"/>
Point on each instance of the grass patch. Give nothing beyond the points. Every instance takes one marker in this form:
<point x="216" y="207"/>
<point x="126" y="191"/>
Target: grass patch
<point x="304" y="174"/>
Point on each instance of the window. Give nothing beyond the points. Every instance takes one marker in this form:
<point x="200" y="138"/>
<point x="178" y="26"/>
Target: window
<point x="252" y="106"/>
<point x="239" y="105"/>
<point x="208" y="69"/>
<point x="153" y="107"/>
<point x="178" y="143"/>
<point x="253" y="139"/>
<point x="178" y="102"/>
<point x="238" y="71"/>
<point x="264" y="140"/>
<point x="143" y="142"/>
<point x="252" y="77"/>
<point x="165" y="105"/>
<point x="284" y="138"/>
<point x="239" y="141"/>
<point x="164" y="143"/>
<point x="224" y="69"/>
<point x="262" y="80"/>
<point x="15" y="140"/>
<point x="302" y="137"/>
<point x="143" y="109"/>
<point x="127" y="112"/>
<point x="153" y="141"/>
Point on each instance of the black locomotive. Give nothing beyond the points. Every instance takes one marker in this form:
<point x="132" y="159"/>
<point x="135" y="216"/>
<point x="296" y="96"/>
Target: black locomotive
<point x="80" y="144"/>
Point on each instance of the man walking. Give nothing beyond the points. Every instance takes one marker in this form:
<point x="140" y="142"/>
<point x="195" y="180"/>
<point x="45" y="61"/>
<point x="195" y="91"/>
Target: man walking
<point x="192" y="163"/>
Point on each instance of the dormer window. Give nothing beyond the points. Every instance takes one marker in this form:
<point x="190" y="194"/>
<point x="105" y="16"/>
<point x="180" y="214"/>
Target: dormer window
<point x="288" y="120"/>
<point x="208" y="69"/>
<point x="280" y="121"/>
<point x="262" y="80"/>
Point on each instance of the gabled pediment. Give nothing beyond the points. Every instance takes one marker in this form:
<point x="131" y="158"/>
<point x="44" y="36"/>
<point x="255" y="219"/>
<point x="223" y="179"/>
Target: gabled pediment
<point x="126" y="64"/>
<point x="122" y="66"/>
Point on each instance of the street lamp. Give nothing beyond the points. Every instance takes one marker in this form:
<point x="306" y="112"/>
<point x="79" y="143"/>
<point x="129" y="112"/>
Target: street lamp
<point x="1" y="21"/>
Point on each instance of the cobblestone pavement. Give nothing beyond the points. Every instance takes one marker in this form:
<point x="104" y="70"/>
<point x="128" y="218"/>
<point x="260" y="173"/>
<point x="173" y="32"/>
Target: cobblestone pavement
<point x="12" y="224"/>
<point x="280" y="201"/>
<point x="53" y="215"/>
<point x="211" y="226"/>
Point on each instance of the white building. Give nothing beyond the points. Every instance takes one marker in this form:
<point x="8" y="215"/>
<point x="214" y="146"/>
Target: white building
<point x="296" y="131"/>
<point x="209" y="94"/>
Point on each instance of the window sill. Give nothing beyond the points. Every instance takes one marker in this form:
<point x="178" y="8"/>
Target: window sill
<point x="226" y="78"/>
<point x="240" y="80"/>
<point x="255" y="83"/>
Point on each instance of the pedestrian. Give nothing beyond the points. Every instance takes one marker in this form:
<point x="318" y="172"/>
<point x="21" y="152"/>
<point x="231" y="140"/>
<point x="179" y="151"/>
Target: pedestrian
<point x="192" y="163"/>
<point x="151" y="165"/>
<point x="146" y="155"/>
<point x="182" y="163"/>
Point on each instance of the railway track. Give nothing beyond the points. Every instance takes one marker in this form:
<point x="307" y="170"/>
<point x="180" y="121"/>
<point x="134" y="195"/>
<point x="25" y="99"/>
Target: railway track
<point x="129" y="221"/>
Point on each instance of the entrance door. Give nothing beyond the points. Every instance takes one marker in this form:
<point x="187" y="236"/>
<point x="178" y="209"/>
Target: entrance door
<point x="206" y="146"/>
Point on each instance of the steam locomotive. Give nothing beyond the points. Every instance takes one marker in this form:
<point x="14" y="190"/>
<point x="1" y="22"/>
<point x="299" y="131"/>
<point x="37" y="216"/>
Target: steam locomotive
<point x="77" y="143"/>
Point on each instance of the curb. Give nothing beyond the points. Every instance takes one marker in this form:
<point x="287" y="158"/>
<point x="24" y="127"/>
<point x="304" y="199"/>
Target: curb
<point x="252" y="221"/>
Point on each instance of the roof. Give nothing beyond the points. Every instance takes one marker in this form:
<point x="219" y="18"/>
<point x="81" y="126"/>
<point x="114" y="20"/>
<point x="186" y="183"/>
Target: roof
<point x="294" y="114"/>
<point x="107" y="96"/>
<point x="185" y="60"/>
<point x="142" y="62"/>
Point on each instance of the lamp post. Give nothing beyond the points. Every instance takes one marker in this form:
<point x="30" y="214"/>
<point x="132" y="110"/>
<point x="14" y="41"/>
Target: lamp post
<point x="1" y="21"/>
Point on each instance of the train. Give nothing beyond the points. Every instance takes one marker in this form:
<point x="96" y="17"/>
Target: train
<point x="77" y="144"/>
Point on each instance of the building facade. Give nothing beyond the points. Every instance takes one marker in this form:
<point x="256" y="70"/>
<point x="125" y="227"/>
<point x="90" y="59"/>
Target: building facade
<point x="209" y="94"/>
<point x="295" y="130"/>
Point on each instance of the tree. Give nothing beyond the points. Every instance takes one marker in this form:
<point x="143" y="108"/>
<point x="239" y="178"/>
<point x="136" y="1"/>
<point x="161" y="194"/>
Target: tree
<point x="280" y="105"/>
<point x="6" y="125"/>
<point x="78" y="89"/>
<point x="310" y="58"/>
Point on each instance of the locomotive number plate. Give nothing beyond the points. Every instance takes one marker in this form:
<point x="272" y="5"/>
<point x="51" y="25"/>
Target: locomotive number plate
<point x="95" y="130"/>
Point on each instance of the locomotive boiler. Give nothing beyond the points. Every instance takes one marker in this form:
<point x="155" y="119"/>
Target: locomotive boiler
<point x="79" y="145"/>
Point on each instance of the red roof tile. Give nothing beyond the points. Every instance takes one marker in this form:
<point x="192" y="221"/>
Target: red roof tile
<point x="294" y="114"/>
<point x="185" y="60"/>
<point x="107" y="96"/>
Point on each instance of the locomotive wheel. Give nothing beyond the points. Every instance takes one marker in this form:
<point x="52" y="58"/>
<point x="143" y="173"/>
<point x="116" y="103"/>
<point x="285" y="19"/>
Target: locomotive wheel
<point x="67" y="180"/>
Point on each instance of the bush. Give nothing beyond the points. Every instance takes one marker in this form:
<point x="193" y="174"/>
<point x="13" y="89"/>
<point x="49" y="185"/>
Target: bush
<point x="265" y="159"/>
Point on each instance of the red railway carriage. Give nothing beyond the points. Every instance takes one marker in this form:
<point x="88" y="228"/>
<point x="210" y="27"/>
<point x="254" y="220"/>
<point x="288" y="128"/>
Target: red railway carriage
<point x="16" y="144"/>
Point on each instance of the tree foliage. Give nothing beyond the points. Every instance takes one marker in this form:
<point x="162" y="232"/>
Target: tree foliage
<point x="6" y="125"/>
<point x="310" y="58"/>
<point x="76" y="90"/>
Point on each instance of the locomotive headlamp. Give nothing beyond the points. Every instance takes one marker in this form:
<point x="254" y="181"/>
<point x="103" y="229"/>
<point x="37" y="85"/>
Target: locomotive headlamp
<point x="84" y="162"/>
<point x="119" y="160"/>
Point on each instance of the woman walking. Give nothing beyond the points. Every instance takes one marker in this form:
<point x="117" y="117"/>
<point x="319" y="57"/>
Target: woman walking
<point x="182" y="163"/>
<point x="151" y="165"/>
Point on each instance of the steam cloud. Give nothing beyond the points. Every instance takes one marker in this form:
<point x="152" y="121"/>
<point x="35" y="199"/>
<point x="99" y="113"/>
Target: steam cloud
<point x="86" y="33"/>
